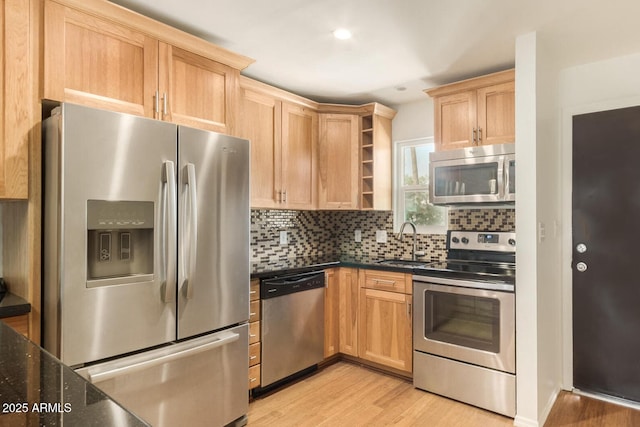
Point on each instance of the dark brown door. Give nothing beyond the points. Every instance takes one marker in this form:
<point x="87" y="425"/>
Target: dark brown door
<point x="606" y="220"/>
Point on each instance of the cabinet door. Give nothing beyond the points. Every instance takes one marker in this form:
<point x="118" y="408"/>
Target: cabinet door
<point x="98" y="63"/>
<point x="348" y="309"/>
<point x="197" y="91"/>
<point x="260" y="123"/>
<point x="299" y="140"/>
<point x="338" y="162"/>
<point x="331" y="307"/>
<point x="385" y="328"/>
<point x="16" y="98"/>
<point x="496" y="114"/>
<point x="455" y="119"/>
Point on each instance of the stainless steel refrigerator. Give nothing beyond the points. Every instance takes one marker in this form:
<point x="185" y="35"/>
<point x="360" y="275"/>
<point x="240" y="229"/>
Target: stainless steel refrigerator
<point x="146" y="263"/>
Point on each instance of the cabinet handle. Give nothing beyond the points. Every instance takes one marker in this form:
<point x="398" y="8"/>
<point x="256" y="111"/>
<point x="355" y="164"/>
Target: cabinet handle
<point x="284" y="196"/>
<point x="475" y="140"/>
<point x="253" y="357"/>
<point x="278" y="196"/>
<point x="164" y="104"/>
<point x="252" y="336"/>
<point x="479" y="136"/>
<point x="253" y="379"/>
<point x="156" y="101"/>
<point x="384" y="282"/>
<point x="408" y="309"/>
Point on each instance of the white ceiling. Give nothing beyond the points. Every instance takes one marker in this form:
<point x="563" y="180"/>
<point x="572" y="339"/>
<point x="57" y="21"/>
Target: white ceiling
<point x="410" y="44"/>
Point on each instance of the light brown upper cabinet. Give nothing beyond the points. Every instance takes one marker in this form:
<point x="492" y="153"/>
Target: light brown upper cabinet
<point x="478" y="111"/>
<point x="299" y="157"/>
<point x="338" y="161"/>
<point x="102" y="55"/>
<point x="355" y="156"/>
<point x="16" y="107"/>
<point x="283" y="137"/>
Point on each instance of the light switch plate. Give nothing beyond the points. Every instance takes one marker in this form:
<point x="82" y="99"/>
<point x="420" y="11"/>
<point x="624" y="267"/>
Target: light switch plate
<point x="283" y="237"/>
<point x="381" y="236"/>
<point x="358" y="236"/>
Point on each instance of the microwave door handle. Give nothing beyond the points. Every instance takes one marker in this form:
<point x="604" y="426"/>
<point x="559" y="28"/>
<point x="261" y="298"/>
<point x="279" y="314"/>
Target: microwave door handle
<point x="500" y="177"/>
<point x="506" y="177"/>
<point x="193" y="229"/>
<point x="168" y="231"/>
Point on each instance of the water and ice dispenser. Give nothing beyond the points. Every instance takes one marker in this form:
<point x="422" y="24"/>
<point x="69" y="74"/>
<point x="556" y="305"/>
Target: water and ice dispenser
<point x="119" y="242"/>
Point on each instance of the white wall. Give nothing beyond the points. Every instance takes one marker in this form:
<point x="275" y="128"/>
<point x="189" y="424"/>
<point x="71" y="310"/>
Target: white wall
<point x="413" y="120"/>
<point x="538" y="276"/>
<point x="603" y="85"/>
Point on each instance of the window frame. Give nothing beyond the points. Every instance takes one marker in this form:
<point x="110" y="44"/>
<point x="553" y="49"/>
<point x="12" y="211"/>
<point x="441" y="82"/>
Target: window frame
<point x="399" y="190"/>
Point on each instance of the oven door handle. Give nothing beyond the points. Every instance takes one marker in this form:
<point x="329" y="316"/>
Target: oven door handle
<point x="491" y="286"/>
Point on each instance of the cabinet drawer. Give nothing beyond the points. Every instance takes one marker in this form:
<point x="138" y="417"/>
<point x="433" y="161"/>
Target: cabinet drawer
<point x="254" y="311"/>
<point x="254" y="332"/>
<point x="387" y="281"/>
<point x="254" y="291"/>
<point x="254" y="354"/>
<point x="254" y="376"/>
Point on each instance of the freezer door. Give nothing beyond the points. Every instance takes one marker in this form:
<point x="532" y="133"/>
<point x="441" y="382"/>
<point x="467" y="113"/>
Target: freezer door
<point x="213" y="231"/>
<point x="107" y="234"/>
<point x="199" y="382"/>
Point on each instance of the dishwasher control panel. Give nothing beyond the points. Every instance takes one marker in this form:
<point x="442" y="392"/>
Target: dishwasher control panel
<point x="284" y="285"/>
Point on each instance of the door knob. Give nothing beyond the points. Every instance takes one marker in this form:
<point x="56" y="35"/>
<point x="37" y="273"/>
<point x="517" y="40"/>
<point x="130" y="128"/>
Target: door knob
<point x="581" y="267"/>
<point x="581" y="248"/>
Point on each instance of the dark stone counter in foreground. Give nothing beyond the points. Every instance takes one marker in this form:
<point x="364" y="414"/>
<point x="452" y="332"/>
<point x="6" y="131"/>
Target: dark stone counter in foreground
<point x="36" y="389"/>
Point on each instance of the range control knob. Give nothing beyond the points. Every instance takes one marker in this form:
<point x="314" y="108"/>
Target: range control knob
<point x="465" y="240"/>
<point x="455" y="240"/>
<point x="512" y="242"/>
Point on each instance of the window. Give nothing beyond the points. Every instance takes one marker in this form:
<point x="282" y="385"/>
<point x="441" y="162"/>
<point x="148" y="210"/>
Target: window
<point x="411" y="198"/>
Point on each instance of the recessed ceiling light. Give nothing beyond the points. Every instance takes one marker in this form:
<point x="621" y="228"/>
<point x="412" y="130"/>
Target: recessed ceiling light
<point x="342" y="34"/>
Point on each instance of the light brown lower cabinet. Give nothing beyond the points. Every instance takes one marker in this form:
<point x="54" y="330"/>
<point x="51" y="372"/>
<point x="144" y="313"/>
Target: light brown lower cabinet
<point x="254" y="334"/>
<point x="374" y="312"/>
<point x="384" y="330"/>
<point x="331" y="312"/>
<point x="19" y="323"/>
<point x="348" y="311"/>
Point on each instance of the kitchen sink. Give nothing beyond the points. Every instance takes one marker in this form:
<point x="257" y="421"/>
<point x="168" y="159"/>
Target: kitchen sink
<point x="406" y="263"/>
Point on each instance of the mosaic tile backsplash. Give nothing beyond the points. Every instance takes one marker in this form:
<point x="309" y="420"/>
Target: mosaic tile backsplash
<point x="315" y="233"/>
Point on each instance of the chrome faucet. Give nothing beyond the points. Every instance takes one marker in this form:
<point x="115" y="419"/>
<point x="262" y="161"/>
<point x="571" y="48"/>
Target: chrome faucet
<point x="413" y="250"/>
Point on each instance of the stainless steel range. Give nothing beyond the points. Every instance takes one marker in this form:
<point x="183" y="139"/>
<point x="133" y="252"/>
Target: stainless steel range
<point x="464" y="322"/>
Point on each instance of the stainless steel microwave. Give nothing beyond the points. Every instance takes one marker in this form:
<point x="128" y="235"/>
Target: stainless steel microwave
<point x="485" y="174"/>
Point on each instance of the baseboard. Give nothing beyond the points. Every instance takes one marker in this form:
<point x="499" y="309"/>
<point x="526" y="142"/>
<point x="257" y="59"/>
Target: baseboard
<point x="547" y="408"/>
<point x="524" y="422"/>
<point x="521" y="421"/>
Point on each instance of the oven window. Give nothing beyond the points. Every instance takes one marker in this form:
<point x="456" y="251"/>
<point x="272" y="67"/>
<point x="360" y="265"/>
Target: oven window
<point x="463" y="320"/>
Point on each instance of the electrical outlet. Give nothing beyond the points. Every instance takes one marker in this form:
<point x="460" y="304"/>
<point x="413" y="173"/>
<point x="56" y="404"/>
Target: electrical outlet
<point x="284" y="238"/>
<point x="381" y="236"/>
<point x="358" y="236"/>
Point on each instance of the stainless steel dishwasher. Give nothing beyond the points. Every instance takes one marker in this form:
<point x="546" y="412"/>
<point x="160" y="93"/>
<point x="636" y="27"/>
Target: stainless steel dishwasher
<point x="292" y="326"/>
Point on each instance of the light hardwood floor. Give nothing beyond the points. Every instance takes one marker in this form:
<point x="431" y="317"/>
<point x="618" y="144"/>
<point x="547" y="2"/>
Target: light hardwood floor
<point x="345" y="394"/>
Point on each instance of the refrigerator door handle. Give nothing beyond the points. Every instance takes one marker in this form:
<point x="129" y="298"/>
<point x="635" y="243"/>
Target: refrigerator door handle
<point x="190" y="181"/>
<point x="168" y="231"/>
<point x="145" y="361"/>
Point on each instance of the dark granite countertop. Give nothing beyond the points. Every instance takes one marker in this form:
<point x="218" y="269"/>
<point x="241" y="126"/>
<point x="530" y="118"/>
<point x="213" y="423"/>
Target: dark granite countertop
<point x="37" y="389"/>
<point x="13" y="305"/>
<point x="260" y="270"/>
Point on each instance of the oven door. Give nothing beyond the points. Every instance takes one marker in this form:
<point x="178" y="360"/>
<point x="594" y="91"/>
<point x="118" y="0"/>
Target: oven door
<point x="470" y="325"/>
